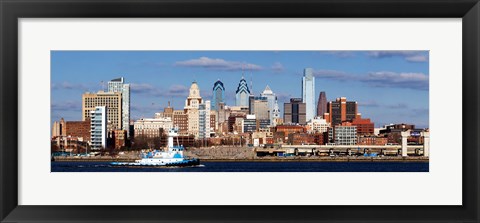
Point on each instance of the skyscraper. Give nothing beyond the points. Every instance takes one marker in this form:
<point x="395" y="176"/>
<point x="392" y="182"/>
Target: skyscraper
<point x="259" y="108"/>
<point x="191" y="108"/>
<point x="218" y="94"/>
<point x="242" y="93"/>
<point x="308" y="92"/>
<point x="98" y="130"/>
<point x="322" y="104"/>
<point x="294" y="112"/>
<point x="204" y="120"/>
<point x="341" y="110"/>
<point x="271" y="98"/>
<point x="113" y="102"/>
<point x="118" y="85"/>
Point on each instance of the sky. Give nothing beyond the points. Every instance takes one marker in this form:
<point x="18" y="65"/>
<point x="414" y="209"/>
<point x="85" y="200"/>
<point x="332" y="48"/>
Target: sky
<point x="389" y="86"/>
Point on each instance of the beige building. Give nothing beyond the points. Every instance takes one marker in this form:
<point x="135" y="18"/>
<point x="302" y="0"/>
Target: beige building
<point x="113" y="102"/>
<point x="151" y="127"/>
<point x="191" y="109"/>
<point x="317" y="125"/>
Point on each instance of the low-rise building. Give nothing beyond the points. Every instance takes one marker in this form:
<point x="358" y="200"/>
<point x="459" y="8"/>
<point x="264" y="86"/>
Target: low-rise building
<point x="152" y="127"/>
<point x="317" y="125"/>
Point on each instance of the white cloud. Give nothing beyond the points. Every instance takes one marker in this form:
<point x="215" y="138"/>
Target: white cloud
<point x="277" y="67"/>
<point x="219" y="64"/>
<point x="410" y="56"/>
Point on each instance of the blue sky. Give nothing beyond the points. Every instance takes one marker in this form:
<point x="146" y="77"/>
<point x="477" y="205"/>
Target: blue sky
<point x="390" y="86"/>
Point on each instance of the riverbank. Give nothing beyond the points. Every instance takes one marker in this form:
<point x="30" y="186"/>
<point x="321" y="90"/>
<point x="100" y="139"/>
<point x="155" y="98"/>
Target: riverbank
<point x="268" y="159"/>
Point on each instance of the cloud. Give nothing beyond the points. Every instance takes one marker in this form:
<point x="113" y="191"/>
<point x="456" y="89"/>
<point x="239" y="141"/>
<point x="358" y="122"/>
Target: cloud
<point x="416" y="81"/>
<point x="68" y="86"/>
<point x="219" y="64"/>
<point x="410" y="56"/>
<point x="67" y="106"/>
<point x="370" y="103"/>
<point x="340" y="53"/>
<point x="277" y="67"/>
<point x="397" y="106"/>
<point x="150" y="90"/>
<point x="332" y="74"/>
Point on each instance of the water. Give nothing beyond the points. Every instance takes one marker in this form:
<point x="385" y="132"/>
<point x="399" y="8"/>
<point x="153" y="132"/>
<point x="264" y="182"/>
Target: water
<point x="251" y="167"/>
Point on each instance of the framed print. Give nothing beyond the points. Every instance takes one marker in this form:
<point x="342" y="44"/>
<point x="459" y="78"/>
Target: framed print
<point x="229" y="111"/>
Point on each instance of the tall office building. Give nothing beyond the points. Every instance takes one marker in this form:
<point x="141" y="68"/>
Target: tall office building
<point x="218" y="94"/>
<point x="259" y="108"/>
<point x="204" y="120"/>
<point x="308" y="92"/>
<point x="118" y="85"/>
<point x="98" y="130"/>
<point x="295" y="111"/>
<point x="271" y="98"/>
<point x="192" y="104"/>
<point x="322" y="104"/>
<point x="341" y="110"/>
<point x="242" y="94"/>
<point x="113" y="102"/>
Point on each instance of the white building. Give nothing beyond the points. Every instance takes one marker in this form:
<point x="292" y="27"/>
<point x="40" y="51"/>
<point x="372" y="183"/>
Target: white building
<point x="318" y="125"/>
<point x="98" y="127"/>
<point x="271" y="98"/>
<point x="151" y="127"/>
<point x="308" y="93"/>
<point x="204" y="120"/>
<point x="118" y="85"/>
<point x="345" y="135"/>
<point x="191" y="106"/>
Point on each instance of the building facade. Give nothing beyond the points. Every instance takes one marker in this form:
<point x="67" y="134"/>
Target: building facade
<point x="343" y="135"/>
<point x="308" y="93"/>
<point x="364" y="126"/>
<point x="272" y="102"/>
<point x="317" y="125"/>
<point x="340" y="111"/>
<point x="218" y="95"/>
<point x="118" y="85"/>
<point x="259" y="107"/>
<point x="79" y="129"/>
<point x="111" y="100"/>
<point x="249" y="124"/>
<point x="242" y="93"/>
<point x="322" y="104"/>
<point x="192" y="104"/>
<point x="204" y="120"/>
<point x="152" y="127"/>
<point x="98" y="127"/>
<point x="294" y="112"/>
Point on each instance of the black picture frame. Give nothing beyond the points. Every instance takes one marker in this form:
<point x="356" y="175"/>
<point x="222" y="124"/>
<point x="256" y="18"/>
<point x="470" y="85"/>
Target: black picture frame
<point x="11" y="11"/>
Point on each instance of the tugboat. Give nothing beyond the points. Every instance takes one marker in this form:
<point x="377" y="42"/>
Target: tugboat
<point x="173" y="156"/>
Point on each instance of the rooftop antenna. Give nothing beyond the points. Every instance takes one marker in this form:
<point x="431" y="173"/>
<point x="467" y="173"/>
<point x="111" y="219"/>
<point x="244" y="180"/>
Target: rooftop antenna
<point x="103" y="87"/>
<point x="243" y="70"/>
<point x="251" y="84"/>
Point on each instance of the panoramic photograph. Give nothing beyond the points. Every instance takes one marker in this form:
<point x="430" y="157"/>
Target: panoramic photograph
<point x="240" y="111"/>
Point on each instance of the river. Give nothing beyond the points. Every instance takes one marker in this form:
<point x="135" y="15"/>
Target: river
<point x="251" y="167"/>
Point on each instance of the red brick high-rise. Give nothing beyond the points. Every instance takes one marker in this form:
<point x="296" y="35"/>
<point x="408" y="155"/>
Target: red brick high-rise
<point x="322" y="104"/>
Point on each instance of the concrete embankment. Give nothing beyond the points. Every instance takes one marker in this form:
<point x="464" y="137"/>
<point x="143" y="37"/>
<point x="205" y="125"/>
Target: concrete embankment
<point x="245" y="154"/>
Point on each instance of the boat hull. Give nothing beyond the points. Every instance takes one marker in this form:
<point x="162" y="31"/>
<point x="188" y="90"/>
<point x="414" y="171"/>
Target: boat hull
<point x="180" y="163"/>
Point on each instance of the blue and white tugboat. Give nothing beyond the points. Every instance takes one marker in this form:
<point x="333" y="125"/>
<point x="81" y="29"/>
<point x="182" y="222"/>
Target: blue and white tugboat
<point x="173" y="156"/>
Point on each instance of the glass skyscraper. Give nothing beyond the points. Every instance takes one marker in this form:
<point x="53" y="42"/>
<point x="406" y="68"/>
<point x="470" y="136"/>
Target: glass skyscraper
<point x="271" y="98"/>
<point x="218" y="94"/>
<point x="118" y="85"/>
<point x="308" y="93"/>
<point x="242" y="94"/>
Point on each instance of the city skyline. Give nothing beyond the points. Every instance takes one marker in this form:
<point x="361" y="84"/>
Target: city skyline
<point x="389" y="86"/>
